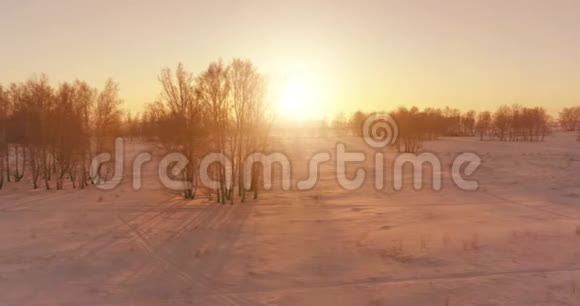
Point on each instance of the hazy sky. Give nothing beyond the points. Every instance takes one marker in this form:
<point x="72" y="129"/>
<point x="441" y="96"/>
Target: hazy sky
<point x="360" y="54"/>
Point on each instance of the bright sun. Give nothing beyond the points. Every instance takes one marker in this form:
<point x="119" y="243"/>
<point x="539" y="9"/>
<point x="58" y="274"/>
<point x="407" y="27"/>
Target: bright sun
<point x="298" y="98"/>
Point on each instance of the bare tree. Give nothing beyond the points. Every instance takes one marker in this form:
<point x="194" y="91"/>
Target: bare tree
<point x="131" y="125"/>
<point x="39" y="100"/>
<point x="483" y="125"/>
<point x="502" y="120"/>
<point x="412" y="129"/>
<point x="107" y="118"/>
<point x="4" y="115"/>
<point x="468" y="123"/>
<point x="339" y="124"/>
<point x="213" y="90"/>
<point x="71" y="133"/>
<point x="29" y="126"/>
<point x="83" y="106"/>
<point x="182" y="117"/>
<point x="570" y="118"/>
<point x="249" y="128"/>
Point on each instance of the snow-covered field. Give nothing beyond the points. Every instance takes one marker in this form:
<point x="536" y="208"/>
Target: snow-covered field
<point x="515" y="241"/>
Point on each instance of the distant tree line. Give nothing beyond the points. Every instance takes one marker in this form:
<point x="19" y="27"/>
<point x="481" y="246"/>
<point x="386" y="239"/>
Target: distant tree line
<point x="514" y="123"/>
<point x="570" y="118"/>
<point x="507" y="123"/>
<point x="51" y="133"/>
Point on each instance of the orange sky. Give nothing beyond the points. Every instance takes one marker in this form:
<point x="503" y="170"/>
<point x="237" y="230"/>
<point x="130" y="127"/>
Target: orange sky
<point x="369" y="54"/>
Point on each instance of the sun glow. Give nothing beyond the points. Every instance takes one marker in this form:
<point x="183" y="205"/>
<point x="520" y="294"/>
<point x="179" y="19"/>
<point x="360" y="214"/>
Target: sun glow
<point x="300" y="98"/>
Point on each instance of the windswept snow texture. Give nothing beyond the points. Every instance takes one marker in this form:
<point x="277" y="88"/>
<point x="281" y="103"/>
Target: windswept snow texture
<point x="515" y="241"/>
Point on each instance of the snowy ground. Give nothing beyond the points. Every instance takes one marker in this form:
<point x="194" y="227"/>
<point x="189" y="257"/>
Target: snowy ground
<point x="516" y="241"/>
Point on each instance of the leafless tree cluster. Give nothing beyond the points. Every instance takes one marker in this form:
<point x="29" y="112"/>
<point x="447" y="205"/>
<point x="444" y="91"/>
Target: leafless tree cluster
<point x="414" y="125"/>
<point x="431" y="122"/>
<point x="340" y="124"/>
<point x="221" y="110"/>
<point x="132" y="127"/>
<point x="484" y="124"/>
<point x="46" y="133"/>
<point x="356" y="123"/>
<point x="413" y="129"/>
<point x="508" y="123"/>
<point x="570" y="118"/>
<point x="517" y="123"/>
